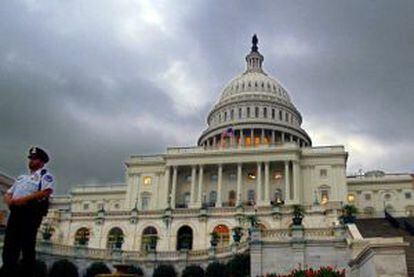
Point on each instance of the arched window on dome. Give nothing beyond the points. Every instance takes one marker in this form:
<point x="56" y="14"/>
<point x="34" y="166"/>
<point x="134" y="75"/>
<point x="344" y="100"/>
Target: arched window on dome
<point x="248" y="112"/>
<point x="286" y="117"/>
<point x="249" y="85"/>
<point x="273" y="113"/>
<point x="240" y="112"/>
<point x="243" y="85"/>
<point x="232" y="114"/>
<point x="268" y="86"/>
<point x="225" y="116"/>
<point x="115" y="238"/>
<point x="255" y="84"/>
<point x="262" y="84"/>
<point x="223" y="235"/>
<point x="219" y="117"/>
<point x="280" y="115"/>
<point x="256" y="112"/>
<point x="265" y="112"/>
<point x="149" y="239"/>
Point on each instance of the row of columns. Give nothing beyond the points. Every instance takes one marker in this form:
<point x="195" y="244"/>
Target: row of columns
<point x="262" y="196"/>
<point x="218" y="140"/>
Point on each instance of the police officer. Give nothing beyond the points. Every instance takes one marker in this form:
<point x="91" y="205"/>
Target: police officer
<point x="24" y="199"/>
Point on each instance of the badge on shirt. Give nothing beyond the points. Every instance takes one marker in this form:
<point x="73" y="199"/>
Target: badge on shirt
<point x="48" y="178"/>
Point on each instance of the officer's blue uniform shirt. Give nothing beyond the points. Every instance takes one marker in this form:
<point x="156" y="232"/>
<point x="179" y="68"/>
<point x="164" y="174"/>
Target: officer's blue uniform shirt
<point x="29" y="183"/>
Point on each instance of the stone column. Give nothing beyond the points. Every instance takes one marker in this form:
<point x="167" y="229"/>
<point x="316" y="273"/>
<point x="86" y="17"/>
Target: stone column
<point x="200" y="185"/>
<point x="193" y="181"/>
<point x="167" y="177"/>
<point x="259" y="184"/>
<point x="262" y="137"/>
<point x="267" y="184"/>
<point x="239" y="183"/>
<point x="273" y="137"/>
<point x="251" y="137"/>
<point x="241" y="138"/>
<point x="282" y="135"/>
<point x="287" y="183"/>
<point x="296" y="182"/>
<point x="219" y="181"/>
<point x="214" y="141"/>
<point x="174" y="187"/>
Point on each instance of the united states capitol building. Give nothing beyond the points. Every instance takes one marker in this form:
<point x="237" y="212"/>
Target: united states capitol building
<point x="252" y="159"/>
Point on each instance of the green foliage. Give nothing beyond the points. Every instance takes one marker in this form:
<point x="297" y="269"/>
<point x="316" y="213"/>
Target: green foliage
<point x="238" y="266"/>
<point x="252" y="219"/>
<point x="193" y="271"/>
<point x="164" y="271"/>
<point x="325" y="271"/>
<point x="350" y="210"/>
<point x="63" y="268"/>
<point x="97" y="268"/>
<point x="298" y="211"/>
<point x="216" y="269"/>
<point x="135" y="270"/>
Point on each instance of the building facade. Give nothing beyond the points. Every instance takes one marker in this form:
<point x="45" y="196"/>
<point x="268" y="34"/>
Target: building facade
<point x="252" y="159"/>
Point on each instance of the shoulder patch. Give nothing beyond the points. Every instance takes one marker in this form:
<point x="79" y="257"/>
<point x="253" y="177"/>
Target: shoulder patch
<point x="48" y="178"/>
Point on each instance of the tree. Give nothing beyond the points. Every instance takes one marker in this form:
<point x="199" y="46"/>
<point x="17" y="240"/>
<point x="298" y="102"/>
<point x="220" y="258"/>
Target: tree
<point x="63" y="268"/>
<point x="97" y="268"/>
<point x="238" y="266"/>
<point x="40" y="269"/>
<point x="216" y="269"/>
<point x="164" y="271"/>
<point x="193" y="271"/>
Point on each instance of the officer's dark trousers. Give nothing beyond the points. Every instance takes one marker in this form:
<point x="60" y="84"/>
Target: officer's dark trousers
<point x="20" y="237"/>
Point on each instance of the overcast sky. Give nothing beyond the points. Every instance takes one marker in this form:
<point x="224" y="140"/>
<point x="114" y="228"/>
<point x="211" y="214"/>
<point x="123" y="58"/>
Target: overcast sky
<point x="96" y="81"/>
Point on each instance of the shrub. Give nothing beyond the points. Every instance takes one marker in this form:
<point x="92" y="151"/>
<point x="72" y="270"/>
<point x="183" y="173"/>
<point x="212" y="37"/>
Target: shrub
<point x="135" y="270"/>
<point x="97" y="268"/>
<point x="164" y="271"/>
<point x="238" y="266"/>
<point x="324" y="271"/>
<point x="63" y="268"/>
<point x="193" y="271"/>
<point x="216" y="269"/>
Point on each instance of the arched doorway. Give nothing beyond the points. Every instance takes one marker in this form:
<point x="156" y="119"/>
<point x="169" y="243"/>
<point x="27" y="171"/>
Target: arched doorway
<point x="115" y="238"/>
<point x="82" y="236"/>
<point x="223" y="235"/>
<point x="185" y="238"/>
<point x="149" y="239"/>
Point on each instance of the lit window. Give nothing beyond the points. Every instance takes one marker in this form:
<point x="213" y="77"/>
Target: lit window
<point x="367" y="196"/>
<point x="324" y="196"/>
<point x="147" y="180"/>
<point x="251" y="176"/>
<point x="256" y="140"/>
<point x="408" y="195"/>
<point x="351" y="198"/>
<point x="277" y="175"/>
<point x="323" y="173"/>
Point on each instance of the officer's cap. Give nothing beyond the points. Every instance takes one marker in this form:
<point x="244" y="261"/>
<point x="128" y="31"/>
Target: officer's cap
<point x="38" y="153"/>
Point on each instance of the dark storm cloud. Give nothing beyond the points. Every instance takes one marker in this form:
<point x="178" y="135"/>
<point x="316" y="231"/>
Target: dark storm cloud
<point x="95" y="82"/>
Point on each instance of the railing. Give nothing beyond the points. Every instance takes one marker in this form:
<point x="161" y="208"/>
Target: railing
<point x="107" y="254"/>
<point x="319" y="234"/>
<point x="276" y="234"/>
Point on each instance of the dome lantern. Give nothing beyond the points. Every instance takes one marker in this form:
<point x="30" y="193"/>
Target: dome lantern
<point x="254" y="59"/>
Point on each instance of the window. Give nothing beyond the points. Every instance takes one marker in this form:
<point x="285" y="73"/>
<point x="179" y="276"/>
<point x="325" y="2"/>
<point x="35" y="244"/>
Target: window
<point x="273" y="113"/>
<point x="232" y="198"/>
<point x="240" y="112"/>
<point x="250" y="196"/>
<point x="367" y="196"/>
<point x="251" y="176"/>
<point x="324" y="196"/>
<point x="225" y="116"/>
<point x="115" y="238"/>
<point x="248" y="112"/>
<point x="232" y="176"/>
<point x="223" y="235"/>
<point x="145" y="201"/>
<point x="280" y="115"/>
<point x="265" y="112"/>
<point x="231" y="114"/>
<point x="323" y="173"/>
<point x="186" y="199"/>
<point x="256" y="112"/>
<point x="147" y="180"/>
<point x="219" y="117"/>
<point x="149" y="239"/>
<point x="407" y="195"/>
<point x="86" y="206"/>
<point x="286" y="117"/>
<point x="116" y="206"/>
<point x="214" y="177"/>
<point x="82" y="236"/>
<point x="387" y="196"/>
<point x="188" y="178"/>
<point x="351" y="198"/>
<point x="213" y="197"/>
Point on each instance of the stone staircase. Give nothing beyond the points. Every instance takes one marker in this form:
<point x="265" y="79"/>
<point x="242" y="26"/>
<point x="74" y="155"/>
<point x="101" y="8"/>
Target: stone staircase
<point x="382" y="227"/>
